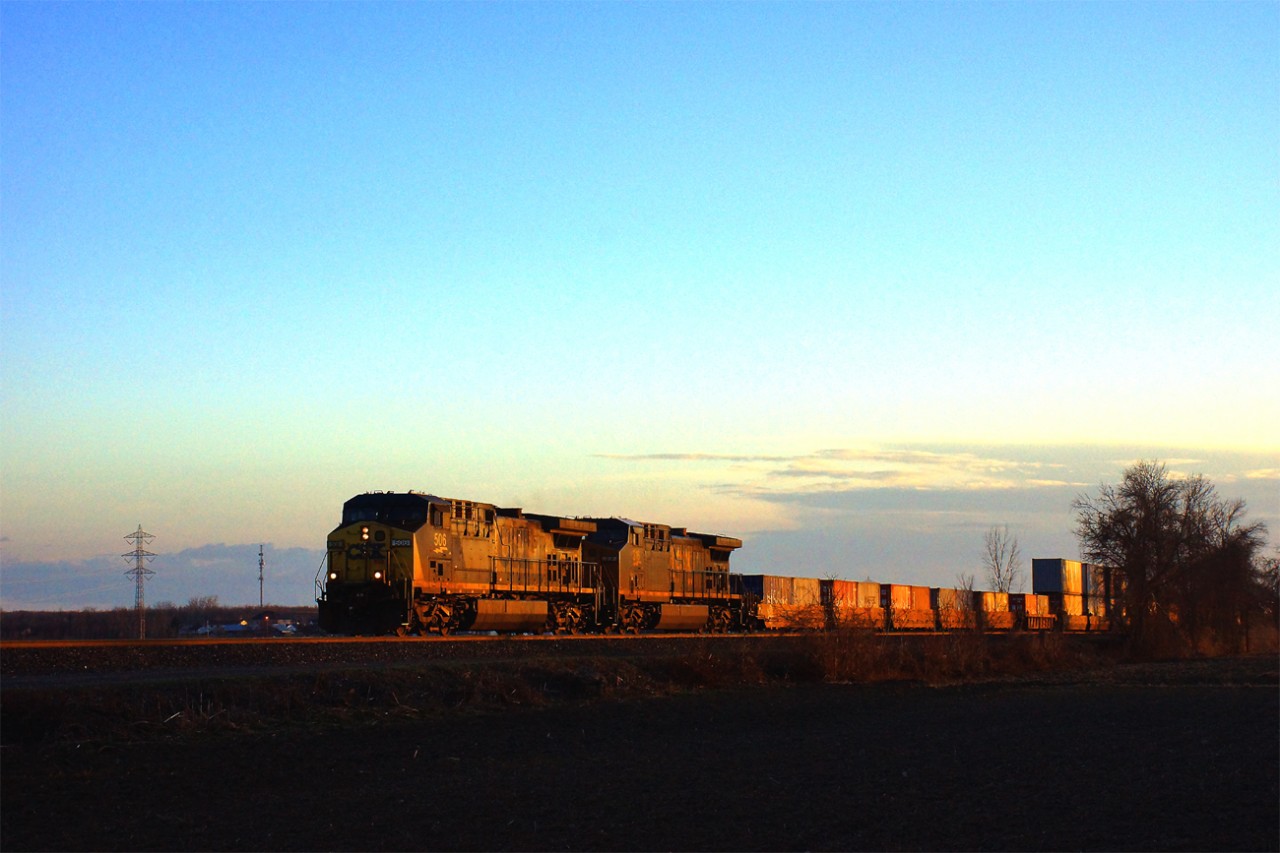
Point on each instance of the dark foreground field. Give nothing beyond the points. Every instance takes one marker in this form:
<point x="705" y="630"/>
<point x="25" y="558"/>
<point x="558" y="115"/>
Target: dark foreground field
<point x="1152" y="757"/>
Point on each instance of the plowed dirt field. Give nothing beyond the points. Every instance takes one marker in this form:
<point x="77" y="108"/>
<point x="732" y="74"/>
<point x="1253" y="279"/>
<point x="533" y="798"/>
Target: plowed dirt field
<point x="1176" y="756"/>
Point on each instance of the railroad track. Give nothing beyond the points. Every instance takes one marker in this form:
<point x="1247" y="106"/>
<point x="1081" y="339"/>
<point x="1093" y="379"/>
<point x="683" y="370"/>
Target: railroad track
<point x="94" y="663"/>
<point x="90" y="662"/>
<point x="14" y="645"/>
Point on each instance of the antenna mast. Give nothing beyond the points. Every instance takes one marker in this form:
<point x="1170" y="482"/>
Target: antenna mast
<point x="259" y="577"/>
<point x="140" y="572"/>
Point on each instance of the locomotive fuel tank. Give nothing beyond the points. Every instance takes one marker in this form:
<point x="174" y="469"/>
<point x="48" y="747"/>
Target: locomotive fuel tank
<point x="499" y="614"/>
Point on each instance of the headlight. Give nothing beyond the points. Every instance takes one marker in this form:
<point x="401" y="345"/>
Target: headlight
<point x="333" y="576"/>
<point x="377" y="576"/>
<point x="364" y="533"/>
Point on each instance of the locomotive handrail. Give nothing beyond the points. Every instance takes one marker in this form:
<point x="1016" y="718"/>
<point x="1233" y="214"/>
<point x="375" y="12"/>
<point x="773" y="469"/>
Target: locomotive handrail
<point x="320" y="577"/>
<point x="519" y="571"/>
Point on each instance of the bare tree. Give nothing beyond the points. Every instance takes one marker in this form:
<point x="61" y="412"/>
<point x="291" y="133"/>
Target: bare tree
<point x="1002" y="559"/>
<point x="967" y="611"/>
<point x="1268" y="585"/>
<point x="1187" y="560"/>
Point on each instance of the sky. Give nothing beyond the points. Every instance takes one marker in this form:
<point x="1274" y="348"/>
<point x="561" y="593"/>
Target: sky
<point x="851" y="281"/>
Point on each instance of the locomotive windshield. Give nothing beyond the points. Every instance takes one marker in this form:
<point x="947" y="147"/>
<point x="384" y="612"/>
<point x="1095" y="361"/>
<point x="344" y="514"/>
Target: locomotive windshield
<point x="408" y="512"/>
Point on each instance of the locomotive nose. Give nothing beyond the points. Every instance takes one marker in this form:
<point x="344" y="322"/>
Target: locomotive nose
<point x="363" y="563"/>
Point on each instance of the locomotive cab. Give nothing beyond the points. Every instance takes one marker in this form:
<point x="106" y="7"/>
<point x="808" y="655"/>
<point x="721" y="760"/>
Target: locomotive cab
<point x="369" y="567"/>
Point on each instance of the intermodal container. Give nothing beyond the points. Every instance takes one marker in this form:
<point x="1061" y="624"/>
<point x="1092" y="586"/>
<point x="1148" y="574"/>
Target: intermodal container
<point x="778" y="590"/>
<point x="993" y="602"/>
<point x="770" y="589"/>
<point x="1029" y="603"/>
<point x="1095" y="605"/>
<point x="954" y="608"/>
<point x="920" y="598"/>
<point x="840" y="594"/>
<point x="912" y="620"/>
<point x="1050" y="576"/>
<point x="895" y="596"/>
<point x="868" y="594"/>
<point x="805" y="592"/>
<point x="1095" y="579"/>
<point x="997" y="620"/>
<point x="865" y="617"/>
<point x="1066" y="605"/>
<point x="944" y="598"/>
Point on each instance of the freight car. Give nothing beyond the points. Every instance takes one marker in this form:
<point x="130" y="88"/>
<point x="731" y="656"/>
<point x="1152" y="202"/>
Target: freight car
<point x="774" y="602"/>
<point x="410" y="562"/>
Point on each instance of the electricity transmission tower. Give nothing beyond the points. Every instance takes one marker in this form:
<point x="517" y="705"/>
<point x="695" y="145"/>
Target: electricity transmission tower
<point x="140" y="572"/>
<point x="259" y="577"/>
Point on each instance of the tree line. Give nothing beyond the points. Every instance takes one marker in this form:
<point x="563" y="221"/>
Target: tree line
<point x="164" y="619"/>
<point x="1189" y="572"/>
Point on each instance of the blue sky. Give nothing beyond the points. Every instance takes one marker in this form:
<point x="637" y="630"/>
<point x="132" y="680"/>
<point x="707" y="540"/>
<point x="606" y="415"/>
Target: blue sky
<point x="850" y="280"/>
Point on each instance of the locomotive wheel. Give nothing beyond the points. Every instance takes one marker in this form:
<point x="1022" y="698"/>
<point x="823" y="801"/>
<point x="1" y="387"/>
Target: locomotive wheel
<point x="417" y="621"/>
<point x="423" y="617"/>
<point x="632" y="620"/>
<point x="567" y="618"/>
<point x="442" y="620"/>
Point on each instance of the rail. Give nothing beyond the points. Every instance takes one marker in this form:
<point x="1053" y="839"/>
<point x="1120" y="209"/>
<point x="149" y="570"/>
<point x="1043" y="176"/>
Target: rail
<point x="699" y="583"/>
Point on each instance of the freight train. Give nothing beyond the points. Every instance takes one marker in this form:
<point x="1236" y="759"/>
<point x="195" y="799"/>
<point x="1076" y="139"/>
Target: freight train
<point x="411" y="562"/>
